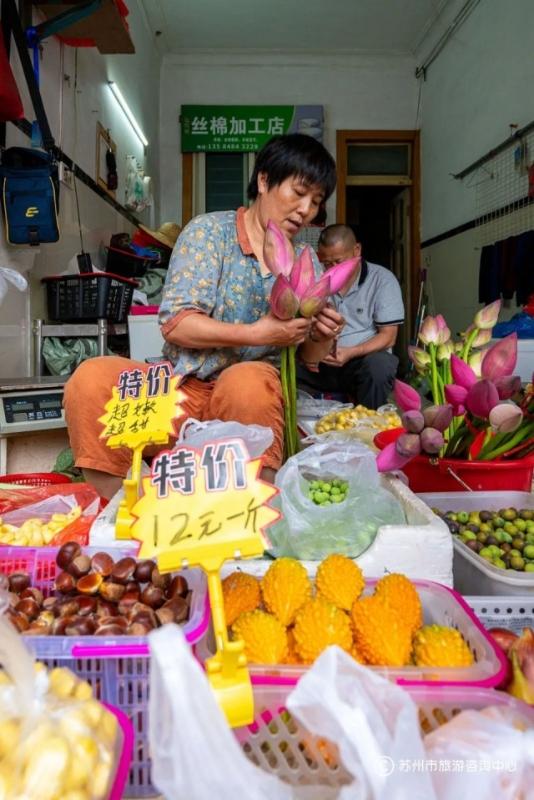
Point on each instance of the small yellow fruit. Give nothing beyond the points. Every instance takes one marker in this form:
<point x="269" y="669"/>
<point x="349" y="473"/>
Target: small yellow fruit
<point x="439" y="646"/>
<point x="402" y="597"/>
<point x="339" y="580"/>
<point x="241" y="592"/>
<point x="319" y="624"/>
<point x="264" y="636"/>
<point x="285" y="588"/>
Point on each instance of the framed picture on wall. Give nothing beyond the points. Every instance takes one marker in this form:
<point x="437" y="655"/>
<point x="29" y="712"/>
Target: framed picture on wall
<point x="106" y="160"/>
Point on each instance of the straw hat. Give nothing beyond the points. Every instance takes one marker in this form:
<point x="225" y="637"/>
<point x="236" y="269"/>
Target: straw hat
<point x="166" y="234"/>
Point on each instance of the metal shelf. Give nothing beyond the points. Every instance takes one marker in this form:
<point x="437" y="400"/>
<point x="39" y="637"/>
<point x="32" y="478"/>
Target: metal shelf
<point x="100" y="329"/>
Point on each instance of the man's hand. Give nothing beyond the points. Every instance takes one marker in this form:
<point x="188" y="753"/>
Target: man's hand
<point x="339" y="357"/>
<point x="270" y="330"/>
<point x="327" y="325"/>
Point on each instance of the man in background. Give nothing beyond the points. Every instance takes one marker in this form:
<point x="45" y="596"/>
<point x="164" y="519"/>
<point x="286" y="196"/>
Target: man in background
<point x="361" y="364"/>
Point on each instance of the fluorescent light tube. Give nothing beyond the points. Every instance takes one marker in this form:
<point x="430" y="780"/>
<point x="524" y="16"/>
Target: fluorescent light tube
<point x="117" y="94"/>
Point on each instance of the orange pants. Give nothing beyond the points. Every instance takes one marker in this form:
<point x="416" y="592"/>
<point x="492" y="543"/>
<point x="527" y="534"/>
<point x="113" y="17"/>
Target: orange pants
<point x="248" y="392"/>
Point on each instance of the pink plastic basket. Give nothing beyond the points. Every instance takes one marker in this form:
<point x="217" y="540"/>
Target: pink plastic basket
<point x="125" y="756"/>
<point x="442" y="606"/>
<point x="278" y="744"/>
<point x="117" y="668"/>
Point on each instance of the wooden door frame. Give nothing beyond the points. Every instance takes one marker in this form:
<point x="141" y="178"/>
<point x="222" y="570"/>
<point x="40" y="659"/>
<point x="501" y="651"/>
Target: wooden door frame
<point x="343" y="137"/>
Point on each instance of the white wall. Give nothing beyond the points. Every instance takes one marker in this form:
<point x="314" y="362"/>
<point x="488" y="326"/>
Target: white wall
<point x="479" y="84"/>
<point x="357" y="92"/>
<point x="73" y="116"/>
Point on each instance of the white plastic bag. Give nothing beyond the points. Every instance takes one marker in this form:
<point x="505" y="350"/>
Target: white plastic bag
<point x="194" y="753"/>
<point x="256" y="437"/>
<point x="494" y="751"/>
<point x="308" y="531"/>
<point x="8" y="276"/>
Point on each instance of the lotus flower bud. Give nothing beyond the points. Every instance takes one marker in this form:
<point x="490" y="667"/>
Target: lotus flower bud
<point x="314" y="298"/>
<point x="341" y="274"/>
<point x="455" y="395"/>
<point x="283" y="301"/>
<point x="278" y="251"/>
<point x="302" y="275"/>
<point x="431" y="441"/>
<point x="439" y="417"/>
<point x="505" y="417"/>
<point x="500" y="359"/>
<point x="413" y="421"/>
<point x="419" y="358"/>
<point x="462" y="374"/>
<point x="408" y="445"/>
<point x="487" y="317"/>
<point x="428" y="333"/>
<point x="406" y="398"/>
<point x="445" y="351"/>
<point x="389" y="459"/>
<point x="475" y="361"/>
<point x="482" y="338"/>
<point x="444" y="333"/>
<point x="481" y="398"/>
<point x="508" y="386"/>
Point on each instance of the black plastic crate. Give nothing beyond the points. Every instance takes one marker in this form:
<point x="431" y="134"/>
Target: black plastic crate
<point x="88" y="297"/>
<point x="121" y="262"/>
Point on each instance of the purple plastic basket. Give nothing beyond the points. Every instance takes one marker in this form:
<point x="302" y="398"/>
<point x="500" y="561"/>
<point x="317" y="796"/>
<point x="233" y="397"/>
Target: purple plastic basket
<point x="117" y="668"/>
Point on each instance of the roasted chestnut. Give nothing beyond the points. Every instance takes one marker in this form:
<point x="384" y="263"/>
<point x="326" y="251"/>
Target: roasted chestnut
<point x="105" y="609"/>
<point x="68" y="608"/>
<point x="34" y="593"/>
<point x="122" y="622"/>
<point x="139" y="629"/>
<point x="102" y="563"/>
<point x="18" y="582"/>
<point x="38" y="630"/>
<point x="147" y="617"/>
<point x="143" y="571"/>
<point x="81" y="626"/>
<point x="123" y="570"/>
<point x="127" y="602"/>
<point x="179" y="608"/>
<point x="162" y="581"/>
<point x="65" y="583"/>
<point x="89" y="584"/>
<point x="19" y="621"/>
<point x="29" y="608"/>
<point x="67" y="553"/>
<point x="50" y="603"/>
<point x="112" y="591"/>
<point x="165" y="614"/>
<point x="152" y="596"/>
<point x="133" y="586"/>
<point x="109" y="630"/>
<point x="86" y="605"/>
<point x="79" y="566"/>
<point x="178" y="586"/>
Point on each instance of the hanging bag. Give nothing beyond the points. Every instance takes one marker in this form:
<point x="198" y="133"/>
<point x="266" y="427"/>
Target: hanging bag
<point x="29" y="187"/>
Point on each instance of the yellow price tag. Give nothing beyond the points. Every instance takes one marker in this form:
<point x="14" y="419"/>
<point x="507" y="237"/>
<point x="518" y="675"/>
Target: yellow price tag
<point x="201" y="507"/>
<point x="142" y="407"/>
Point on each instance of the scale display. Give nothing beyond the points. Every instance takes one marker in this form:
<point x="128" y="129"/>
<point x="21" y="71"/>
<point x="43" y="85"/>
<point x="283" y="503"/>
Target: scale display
<point x="26" y="411"/>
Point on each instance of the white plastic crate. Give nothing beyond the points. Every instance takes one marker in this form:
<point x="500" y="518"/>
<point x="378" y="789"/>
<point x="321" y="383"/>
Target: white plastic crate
<point x="513" y="613"/>
<point x="473" y="575"/>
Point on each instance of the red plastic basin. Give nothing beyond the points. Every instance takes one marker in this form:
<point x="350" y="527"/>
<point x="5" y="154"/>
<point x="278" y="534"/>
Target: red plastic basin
<point x="426" y="474"/>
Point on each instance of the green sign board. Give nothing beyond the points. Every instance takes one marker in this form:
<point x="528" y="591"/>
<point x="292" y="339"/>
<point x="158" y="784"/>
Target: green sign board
<point x="243" y="128"/>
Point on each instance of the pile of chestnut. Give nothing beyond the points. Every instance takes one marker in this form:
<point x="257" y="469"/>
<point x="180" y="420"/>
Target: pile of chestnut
<point x="100" y="596"/>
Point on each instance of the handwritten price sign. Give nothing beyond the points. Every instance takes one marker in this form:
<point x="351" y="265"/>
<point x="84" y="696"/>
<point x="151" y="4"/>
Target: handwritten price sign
<point x="142" y="405"/>
<point x="200" y="507"/>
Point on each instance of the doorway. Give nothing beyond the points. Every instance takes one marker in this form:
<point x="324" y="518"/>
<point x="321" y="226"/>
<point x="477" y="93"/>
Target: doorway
<point x="378" y="193"/>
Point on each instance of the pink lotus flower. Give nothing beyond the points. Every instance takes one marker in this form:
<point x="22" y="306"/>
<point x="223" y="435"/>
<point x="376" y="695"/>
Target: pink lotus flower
<point x="507" y="386"/>
<point x="390" y="459"/>
<point x="431" y="441"/>
<point x="482" y="338"/>
<point x="341" y="274"/>
<point x="408" y="445"/>
<point x="419" y="357"/>
<point x="475" y="361"/>
<point x="500" y="359"/>
<point x="434" y="330"/>
<point x="439" y="417"/>
<point x="413" y="421"/>
<point x="444" y="333"/>
<point x="481" y="398"/>
<point x="278" y="252"/>
<point x="406" y="398"/>
<point x="283" y="301"/>
<point x="462" y="374"/>
<point x="315" y="297"/>
<point x="302" y="275"/>
<point x="487" y="317"/>
<point x="445" y="351"/>
<point x="455" y="395"/>
<point x="505" y="417"/>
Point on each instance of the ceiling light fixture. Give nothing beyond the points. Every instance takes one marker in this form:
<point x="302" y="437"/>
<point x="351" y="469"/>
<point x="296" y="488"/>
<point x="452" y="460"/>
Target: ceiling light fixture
<point x="117" y="94"/>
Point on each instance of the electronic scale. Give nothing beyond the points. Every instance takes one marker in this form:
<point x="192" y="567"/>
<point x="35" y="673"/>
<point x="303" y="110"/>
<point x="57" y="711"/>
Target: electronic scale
<point x="29" y="405"/>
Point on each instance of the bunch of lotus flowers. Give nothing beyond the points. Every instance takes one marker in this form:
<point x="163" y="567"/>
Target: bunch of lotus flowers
<point x="480" y="411"/>
<point x="297" y="292"/>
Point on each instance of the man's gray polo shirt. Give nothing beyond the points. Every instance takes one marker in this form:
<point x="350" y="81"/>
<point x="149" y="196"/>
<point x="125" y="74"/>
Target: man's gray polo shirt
<point x="374" y="299"/>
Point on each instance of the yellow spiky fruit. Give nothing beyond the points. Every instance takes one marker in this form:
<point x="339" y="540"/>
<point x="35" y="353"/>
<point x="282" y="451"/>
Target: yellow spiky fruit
<point x="285" y="587"/>
<point x="292" y="656"/>
<point x="319" y="624"/>
<point x="439" y="646"/>
<point x="264" y="636"/>
<point x="380" y="635"/>
<point x="400" y="593"/>
<point x="339" y="580"/>
<point x="357" y="655"/>
<point x="241" y="592"/>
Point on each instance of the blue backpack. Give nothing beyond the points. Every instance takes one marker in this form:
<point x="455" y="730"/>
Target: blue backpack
<point x="29" y="192"/>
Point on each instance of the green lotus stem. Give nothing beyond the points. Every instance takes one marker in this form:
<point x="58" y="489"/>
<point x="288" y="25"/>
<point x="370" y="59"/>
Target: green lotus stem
<point x="292" y="392"/>
<point x="517" y="438"/>
<point x="285" y="395"/>
<point x="434" y="373"/>
<point x="468" y="344"/>
<point x="457" y="437"/>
